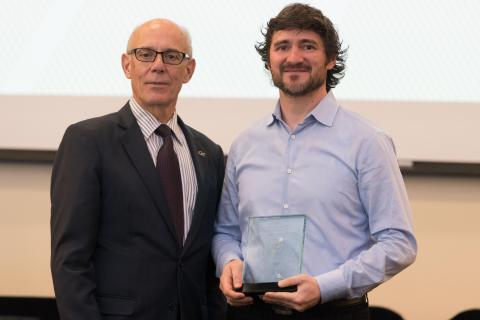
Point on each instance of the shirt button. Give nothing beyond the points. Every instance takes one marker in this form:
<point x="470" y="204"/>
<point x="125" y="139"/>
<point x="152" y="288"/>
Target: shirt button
<point x="289" y="171"/>
<point x="285" y="206"/>
<point x="292" y="137"/>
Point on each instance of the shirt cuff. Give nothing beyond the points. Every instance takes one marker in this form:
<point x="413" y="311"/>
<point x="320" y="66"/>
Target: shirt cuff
<point x="332" y="285"/>
<point x="226" y="258"/>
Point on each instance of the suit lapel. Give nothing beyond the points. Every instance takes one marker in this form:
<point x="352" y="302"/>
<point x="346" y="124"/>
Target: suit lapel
<point x="136" y="148"/>
<point x="200" y="162"/>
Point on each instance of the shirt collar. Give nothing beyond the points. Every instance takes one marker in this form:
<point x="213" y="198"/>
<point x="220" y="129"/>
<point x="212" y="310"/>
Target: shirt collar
<point x="148" y="123"/>
<point x="324" y="112"/>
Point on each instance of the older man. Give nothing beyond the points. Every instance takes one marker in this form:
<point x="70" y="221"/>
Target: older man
<point x="134" y="196"/>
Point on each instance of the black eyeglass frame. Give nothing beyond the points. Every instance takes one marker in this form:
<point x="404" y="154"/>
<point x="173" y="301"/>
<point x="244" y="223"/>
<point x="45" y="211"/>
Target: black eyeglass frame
<point x="184" y="55"/>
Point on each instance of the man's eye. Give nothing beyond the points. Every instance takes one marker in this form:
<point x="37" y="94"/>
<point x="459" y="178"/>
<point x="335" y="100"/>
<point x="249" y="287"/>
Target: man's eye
<point x="145" y="54"/>
<point x="171" y="56"/>
<point x="308" y="47"/>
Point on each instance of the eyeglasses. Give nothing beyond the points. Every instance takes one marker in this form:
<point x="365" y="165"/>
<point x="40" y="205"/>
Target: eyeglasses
<point x="168" y="57"/>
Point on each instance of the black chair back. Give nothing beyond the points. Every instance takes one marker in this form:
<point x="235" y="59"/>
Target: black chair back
<point x="471" y="314"/>
<point x="22" y="308"/>
<point x="382" y="313"/>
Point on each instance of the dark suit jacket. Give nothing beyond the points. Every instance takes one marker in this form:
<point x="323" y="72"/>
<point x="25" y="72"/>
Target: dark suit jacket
<point x="114" y="253"/>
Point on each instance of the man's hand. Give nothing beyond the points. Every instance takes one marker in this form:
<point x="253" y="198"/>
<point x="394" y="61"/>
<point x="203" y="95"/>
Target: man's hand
<point x="230" y="280"/>
<point x="306" y="296"/>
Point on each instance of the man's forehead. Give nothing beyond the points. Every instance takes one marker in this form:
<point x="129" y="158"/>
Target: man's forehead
<point x="160" y="38"/>
<point x="296" y="35"/>
<point x="159" y="34"/>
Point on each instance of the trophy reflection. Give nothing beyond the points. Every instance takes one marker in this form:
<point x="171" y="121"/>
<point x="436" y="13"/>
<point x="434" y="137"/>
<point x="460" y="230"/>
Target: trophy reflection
<point x="274" y="251"/>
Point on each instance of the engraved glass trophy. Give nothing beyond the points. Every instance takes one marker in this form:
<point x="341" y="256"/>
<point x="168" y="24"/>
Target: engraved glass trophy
<point x="274" y="251"/>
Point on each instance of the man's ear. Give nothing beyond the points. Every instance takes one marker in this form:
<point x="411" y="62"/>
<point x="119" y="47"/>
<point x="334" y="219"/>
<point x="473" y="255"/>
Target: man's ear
<point x="190" y="69"/>
<point x="126" y="65"/>
<point x="332" y="63"/>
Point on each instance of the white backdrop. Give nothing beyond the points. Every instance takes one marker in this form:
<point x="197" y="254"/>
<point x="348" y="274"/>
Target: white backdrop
<point x="413" y="67"/>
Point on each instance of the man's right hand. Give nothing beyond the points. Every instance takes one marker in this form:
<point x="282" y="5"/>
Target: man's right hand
<point x="230" y="280"/>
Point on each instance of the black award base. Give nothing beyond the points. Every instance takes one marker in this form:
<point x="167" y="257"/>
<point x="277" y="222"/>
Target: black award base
<point x="261" y="288"/>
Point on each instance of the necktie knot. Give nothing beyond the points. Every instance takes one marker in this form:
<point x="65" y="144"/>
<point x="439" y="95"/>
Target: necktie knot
<point x="163" y="131"/>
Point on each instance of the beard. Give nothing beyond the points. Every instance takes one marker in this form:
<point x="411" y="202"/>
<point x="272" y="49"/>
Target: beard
<point x="301" y="88"/>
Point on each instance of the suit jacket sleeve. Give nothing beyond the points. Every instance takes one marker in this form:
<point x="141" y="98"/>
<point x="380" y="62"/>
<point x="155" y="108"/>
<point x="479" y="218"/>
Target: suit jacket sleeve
<point x="75" y="215"/>
<point x="216" y="301"/>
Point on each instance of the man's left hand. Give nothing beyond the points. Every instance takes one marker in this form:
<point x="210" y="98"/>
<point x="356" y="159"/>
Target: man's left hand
<point x="306" y="296"/>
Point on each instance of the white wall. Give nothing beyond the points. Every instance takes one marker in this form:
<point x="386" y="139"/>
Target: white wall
<point x="422" y="131"/>
<point x="443" y="280"/>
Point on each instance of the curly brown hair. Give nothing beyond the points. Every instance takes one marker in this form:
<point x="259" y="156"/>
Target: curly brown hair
<point x="305" y="17"/>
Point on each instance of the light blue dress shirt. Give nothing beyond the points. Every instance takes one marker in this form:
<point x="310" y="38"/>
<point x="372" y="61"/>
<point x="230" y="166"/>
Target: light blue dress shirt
<point x="339" y="171"/>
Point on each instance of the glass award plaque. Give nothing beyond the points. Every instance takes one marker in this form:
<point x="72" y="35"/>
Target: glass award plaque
<point x="274" y="251"/>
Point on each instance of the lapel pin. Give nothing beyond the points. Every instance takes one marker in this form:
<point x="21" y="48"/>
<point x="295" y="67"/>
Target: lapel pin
<point x="201" y="153"/>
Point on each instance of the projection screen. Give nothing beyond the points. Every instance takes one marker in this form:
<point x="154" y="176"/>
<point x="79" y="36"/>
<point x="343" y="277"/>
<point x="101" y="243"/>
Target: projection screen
<point x="412" y="68"/>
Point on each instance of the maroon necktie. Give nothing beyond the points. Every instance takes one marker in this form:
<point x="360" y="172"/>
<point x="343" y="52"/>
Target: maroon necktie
<point x="169" y="172"/>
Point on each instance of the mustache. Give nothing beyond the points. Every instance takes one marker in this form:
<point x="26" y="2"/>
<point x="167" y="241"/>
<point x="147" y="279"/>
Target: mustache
<point x="295" y="67"/>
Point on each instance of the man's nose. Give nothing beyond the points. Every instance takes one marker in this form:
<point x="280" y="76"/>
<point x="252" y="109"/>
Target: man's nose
<point x="295" y="55"/>
<point x="157" y="64"/>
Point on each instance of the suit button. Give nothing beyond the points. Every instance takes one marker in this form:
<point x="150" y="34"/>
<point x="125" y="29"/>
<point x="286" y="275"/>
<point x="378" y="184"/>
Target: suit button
<point x="180" y="265"/>
<point x="171" y="307"/>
